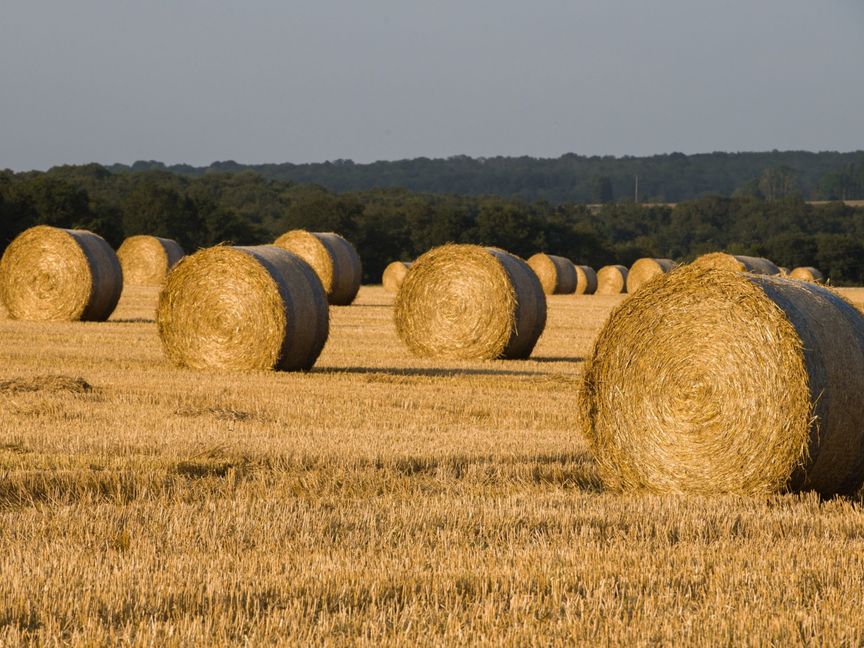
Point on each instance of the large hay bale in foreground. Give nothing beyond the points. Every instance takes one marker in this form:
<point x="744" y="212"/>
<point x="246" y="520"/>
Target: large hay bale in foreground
<point x="724" y="382"/>
<point x="146" y="260"/>
<point x="611" y="280"/>
<point x="557" y="274"/>
<point x="394" y="275"/>
<point x="586" y="280"/>
<point x="644" y="270"/>
<point x="243" y="308"/>
<point x="333" y="259"/>
<point x="737" y="263"/>
<point x="49" y="273"/>
<point x="466" y="301"/>
<point x="807" y="273"/>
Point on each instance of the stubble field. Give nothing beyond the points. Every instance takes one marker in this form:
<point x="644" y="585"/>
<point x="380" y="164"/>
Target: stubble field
<point x="378" y="499"/>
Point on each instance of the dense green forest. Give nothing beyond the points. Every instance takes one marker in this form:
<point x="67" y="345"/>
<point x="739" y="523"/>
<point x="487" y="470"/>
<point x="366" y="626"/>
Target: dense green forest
<point x="387" y="224"/>
<point x="573" y="178"/>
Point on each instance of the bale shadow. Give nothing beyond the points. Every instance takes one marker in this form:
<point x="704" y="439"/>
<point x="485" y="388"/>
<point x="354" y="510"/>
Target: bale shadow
<point x="133" y="320"/>
<point x="436" y="372"/>
<point x="573" y="359"/>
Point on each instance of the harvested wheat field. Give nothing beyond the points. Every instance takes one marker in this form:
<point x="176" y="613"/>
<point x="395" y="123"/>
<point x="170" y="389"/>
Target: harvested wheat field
<point x="378" y="499"/>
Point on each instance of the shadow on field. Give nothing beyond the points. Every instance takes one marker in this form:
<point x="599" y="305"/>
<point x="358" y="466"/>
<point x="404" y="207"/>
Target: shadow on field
<point x="430" y="372"/>
<point x="557" y="359"/>
<point x="133" y="320"/>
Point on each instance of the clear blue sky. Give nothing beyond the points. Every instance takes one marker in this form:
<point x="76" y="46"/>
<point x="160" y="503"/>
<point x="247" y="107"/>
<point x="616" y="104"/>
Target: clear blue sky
<point x="311" y="80"/>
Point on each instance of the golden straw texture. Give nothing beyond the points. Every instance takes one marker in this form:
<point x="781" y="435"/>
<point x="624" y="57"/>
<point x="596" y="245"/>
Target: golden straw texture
<point x="644" y="270"/>
<point x="394" y="275"/>
<point x="724" y="382"/>
<point x="807" y="273"/>
<point x="470" y="302"/>
<point x="586" y="280"/>
<point x="146" y="260"/>
<point x="243" y="308"/>
<point x="49" y="273"/>
<point x="737" y="263"/>
<point x="557" y="274"/>
<point x="611" y="280"/>
<point x="333" y="259"/>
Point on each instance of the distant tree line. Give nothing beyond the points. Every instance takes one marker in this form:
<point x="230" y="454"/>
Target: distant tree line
<point x="388" y="224"/>
<point x="675" y="177"/>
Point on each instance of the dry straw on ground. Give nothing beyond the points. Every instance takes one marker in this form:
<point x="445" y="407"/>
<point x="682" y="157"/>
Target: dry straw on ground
<point x="807" y="273"/>
<point x="466" y="301"/>
<point x="586" y="280"/>
<point x="717" y="381"/>
<point x="243" y="308"/>
<point x="394" y="275"/>
<point x="612" y="280"/>
<point x="737" y="263"/>
<point x="49" y="273"/>
<point x="644" y="270"/>
<point x="333" y="258"/>
<point x="146" y="260"/>
<point x="557" y="274"/>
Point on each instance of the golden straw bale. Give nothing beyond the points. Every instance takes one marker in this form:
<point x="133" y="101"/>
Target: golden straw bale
<point x="725" y="382"/>
<point x="644" y="270"/>
<point x="49" y="273"/>
<point x="611" y="280"/>
<point x="807" y="273"/>
<point x="737" y="262"/>
<point x="586" y="280"/>
<point x="333" y="258"/>
<point x="243" y="308"/>
<point x="394" y="275"/>
<point x="557" y="274"/>
<point x="146" y="260"/>
<point x="467" y="301"/>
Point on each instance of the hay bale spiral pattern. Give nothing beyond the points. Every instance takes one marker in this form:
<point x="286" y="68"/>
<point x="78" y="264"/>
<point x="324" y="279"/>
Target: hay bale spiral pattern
<point x="243" y="308"/>
<point x="48" y="273"/>
<point x="716" y="381"/>
<point x="146" y="260"/>
<point x="557" y="274"/>
<point x="470" y="302"/>
<point x="611" y="280"/>
<point x="394" y="275"/>
<point x="586" y="280"/>
<point x="333" y="259"/>
<point x="644" y="270"/>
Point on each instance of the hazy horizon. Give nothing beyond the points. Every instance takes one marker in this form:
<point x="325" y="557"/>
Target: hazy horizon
<point x="315" y="81"/>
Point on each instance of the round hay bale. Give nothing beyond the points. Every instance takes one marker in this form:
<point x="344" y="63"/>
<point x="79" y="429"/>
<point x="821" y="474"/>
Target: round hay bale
<point x="586" y="280"/>
<point x="333" y="259"/>
<point x="737" y="263"/>
<point x="611" y="280"/>
<point x="807" y="273"/>
<point x="644" y="270"/>
<point x="394" y="275"/>
<point x="723" y="382"/>
<point x="557" y="275"/>
<point x="470" y="302"/>
<point x="49" y="273"/>
<point x="146" y="260"/>
<point x="243" y="308"/>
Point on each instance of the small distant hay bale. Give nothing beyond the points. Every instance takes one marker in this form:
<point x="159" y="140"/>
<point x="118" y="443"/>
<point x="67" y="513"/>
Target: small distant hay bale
<point x="557" y="274"/>
<point x="586" y="280"/>
<point x="470" y="302"/>
<point x="644" y="270"/>
<point x="49" y="273"/>
<point x="612" y="280"/>
<point x="146" y="260"/>
<point x="394" y="275"/>
<point x="737" y="263"/>
<point x="333" y="259"/>
<point x="243" y="308"/>
<point x="807" y="273"/>
<point x="724" y="382"/>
